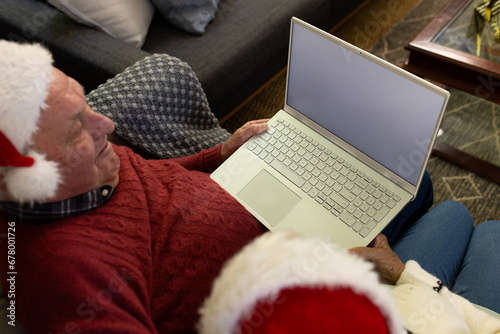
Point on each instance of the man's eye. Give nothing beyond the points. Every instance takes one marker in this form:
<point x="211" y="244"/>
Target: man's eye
<point x="78" y="133"/>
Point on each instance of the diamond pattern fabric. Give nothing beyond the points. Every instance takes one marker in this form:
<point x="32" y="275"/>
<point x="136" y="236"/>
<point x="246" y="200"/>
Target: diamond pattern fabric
<point x="159" y="106"/>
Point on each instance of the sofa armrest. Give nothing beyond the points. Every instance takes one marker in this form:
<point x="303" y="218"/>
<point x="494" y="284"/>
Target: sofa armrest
<point x="77" y="49"/>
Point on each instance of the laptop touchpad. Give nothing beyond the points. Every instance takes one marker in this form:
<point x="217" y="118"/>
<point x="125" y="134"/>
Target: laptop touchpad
<point x="270" y="198"/>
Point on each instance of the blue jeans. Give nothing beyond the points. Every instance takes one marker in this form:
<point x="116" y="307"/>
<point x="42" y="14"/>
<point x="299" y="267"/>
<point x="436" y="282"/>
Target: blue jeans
<point x="412" y="211"/>
<point x="446" y="244"/>
<point x="478" y="277"/>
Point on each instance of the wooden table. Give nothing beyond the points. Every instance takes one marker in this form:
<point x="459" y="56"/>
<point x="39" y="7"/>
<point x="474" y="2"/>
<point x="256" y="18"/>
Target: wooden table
<point x="449" y="66"/>
<point x="456" y="68"/>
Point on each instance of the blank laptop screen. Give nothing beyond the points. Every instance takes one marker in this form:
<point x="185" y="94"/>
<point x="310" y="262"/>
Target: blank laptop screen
<point x="382" y="114"/>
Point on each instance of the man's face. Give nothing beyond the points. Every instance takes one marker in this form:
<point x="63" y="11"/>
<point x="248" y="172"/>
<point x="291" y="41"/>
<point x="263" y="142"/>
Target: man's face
<point x="73" y="135"/>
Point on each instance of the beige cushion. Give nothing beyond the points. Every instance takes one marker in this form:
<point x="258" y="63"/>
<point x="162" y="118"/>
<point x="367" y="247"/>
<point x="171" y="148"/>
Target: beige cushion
<point x="127" y="20"/>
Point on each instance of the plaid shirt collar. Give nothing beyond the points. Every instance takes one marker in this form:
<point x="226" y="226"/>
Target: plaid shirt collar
<point x="46" y="212"/>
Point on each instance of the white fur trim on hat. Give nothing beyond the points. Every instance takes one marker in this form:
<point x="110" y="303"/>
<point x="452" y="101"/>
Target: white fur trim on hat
<point x="280" y="260"/>
<point x="25" y="76"/>
<point x="36" y="183"/>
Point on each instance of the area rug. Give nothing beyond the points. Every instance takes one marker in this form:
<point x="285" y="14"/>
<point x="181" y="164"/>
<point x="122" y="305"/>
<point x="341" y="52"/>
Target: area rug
<point x="470" y="123"/>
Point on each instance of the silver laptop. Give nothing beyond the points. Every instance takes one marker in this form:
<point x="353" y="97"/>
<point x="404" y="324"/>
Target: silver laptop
<point x="348" y="150"/>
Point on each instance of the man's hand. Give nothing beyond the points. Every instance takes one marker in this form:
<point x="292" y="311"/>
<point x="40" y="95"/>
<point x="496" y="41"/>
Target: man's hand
<point x="241" y="136"/>
<point x="387" y="263"/>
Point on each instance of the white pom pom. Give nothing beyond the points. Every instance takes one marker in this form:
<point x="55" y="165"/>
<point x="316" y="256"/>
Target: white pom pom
<point x="33" y="184"/>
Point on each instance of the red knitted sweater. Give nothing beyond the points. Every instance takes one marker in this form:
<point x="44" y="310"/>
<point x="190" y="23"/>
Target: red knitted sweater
<point x="142" y="263"/>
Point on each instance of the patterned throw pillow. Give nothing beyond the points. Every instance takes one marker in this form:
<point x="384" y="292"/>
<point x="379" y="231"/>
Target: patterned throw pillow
<point x="190" y="15"/>
<point x="159" y="106"/>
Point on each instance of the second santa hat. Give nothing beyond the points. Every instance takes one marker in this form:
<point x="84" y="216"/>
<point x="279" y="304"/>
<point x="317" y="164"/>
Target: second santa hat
<point x="283" y="283"/>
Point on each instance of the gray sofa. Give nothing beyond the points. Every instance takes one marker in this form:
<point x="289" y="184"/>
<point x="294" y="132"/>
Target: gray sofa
<point x="244" y="46"/>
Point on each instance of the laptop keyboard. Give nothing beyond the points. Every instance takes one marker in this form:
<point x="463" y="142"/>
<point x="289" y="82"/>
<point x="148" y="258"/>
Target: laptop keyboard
<point x="337" y="185"/>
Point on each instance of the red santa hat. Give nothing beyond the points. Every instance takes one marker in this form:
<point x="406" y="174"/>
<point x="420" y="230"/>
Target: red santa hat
<point x="282" y="283"/>
<point x="25" y="76"/>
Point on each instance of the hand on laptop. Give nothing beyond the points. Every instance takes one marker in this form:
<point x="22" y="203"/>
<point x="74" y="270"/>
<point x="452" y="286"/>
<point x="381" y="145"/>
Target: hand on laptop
<point x="387" y="263"/>
<point x="241" y="135"/>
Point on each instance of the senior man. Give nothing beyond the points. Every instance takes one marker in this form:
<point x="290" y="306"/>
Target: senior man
<point x="106" y="241"/>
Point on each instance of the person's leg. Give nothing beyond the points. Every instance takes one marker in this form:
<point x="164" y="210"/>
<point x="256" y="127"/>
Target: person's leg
<point x="412" y="212"/>
<point x="478" y="280"/>
<point x="438" y="241"/>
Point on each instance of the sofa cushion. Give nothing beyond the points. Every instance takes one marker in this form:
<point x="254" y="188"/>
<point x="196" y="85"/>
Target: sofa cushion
<point x="127" y="20"/>
<point x="190" y="15"/>
<point x="158" y="105"/>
